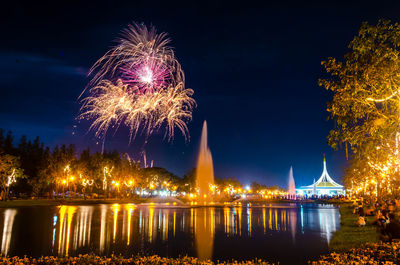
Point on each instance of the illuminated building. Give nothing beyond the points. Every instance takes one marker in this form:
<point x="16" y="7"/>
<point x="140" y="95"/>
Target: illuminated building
<point x="325" y="185"/>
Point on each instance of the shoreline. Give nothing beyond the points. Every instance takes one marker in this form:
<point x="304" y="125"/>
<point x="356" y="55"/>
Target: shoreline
<point x="73" y="201"/>
<point x="58" y="202"/>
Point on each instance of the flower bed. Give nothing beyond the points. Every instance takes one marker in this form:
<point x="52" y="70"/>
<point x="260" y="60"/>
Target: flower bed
<point x="114" y="260"/>
<point x="370" y="253"/>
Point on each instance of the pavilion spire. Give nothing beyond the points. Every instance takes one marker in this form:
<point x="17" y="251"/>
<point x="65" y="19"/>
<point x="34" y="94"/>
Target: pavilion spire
<point x="325" y="178"/>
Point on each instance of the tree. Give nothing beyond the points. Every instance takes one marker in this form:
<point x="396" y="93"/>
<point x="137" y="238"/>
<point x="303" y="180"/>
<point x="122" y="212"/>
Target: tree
<point x="10" y="171"/>
<point x="158" y="178"/>
<point x="188" y="183"/>
<point x="8" y="144"/>
<point x="365" y="105"/>
<point x="32" y="158"/>
<point x="255" y="186"/>
<point x="55" y="173"/>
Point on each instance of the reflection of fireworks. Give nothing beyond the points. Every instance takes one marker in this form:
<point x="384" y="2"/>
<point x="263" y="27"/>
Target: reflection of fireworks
<point x="140" y="84"/>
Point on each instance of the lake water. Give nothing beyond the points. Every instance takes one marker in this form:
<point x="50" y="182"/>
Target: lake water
<point x="275" y="232"/>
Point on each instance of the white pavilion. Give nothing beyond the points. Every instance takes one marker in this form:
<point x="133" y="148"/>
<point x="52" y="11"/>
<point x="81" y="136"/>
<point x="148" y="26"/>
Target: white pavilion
<point x="325" y="185"/>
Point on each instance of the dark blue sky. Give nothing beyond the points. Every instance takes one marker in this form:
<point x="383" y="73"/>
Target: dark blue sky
<point x="254" y="69"/>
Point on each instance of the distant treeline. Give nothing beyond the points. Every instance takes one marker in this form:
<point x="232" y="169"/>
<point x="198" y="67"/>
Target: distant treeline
<point x="29" y="168"/>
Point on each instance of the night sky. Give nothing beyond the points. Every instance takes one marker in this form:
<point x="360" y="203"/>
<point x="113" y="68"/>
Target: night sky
<point x="254" y="70"/>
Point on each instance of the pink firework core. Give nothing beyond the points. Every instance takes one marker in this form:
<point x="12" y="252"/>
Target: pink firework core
<point x="148" y="76"/>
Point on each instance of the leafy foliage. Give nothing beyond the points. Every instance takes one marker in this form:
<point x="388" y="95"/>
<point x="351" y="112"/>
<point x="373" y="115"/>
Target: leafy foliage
<point x="9" y="171"/>
<point x="366" y="104"/>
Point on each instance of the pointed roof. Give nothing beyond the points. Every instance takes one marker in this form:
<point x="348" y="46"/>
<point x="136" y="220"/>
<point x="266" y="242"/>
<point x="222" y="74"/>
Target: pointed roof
<point x="325" y="180"/>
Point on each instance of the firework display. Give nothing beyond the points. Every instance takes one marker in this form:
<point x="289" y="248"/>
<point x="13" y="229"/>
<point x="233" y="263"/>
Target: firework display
<point x="138" y="84"/>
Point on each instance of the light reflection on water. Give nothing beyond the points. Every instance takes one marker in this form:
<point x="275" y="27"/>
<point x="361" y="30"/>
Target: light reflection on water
<point x="168" y="230"/>
<point x="8" y="222"/>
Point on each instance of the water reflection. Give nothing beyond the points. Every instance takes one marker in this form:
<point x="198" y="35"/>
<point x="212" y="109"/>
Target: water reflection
<point x="103" y="223"/>
<point x="66" y="217"/>
<point x="204" y="232"/>
<point x="129" y="229"/>
<point x="115" y="209"/>
<point x="293" y="223"/>
<point x="327" y="222"/>
<point x="8" y="222"/>
<point x="83" y="228"/>
<point x="130" y="209"/>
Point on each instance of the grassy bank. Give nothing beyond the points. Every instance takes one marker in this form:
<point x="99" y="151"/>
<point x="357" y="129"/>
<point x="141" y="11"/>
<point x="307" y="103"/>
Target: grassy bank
<point x="350" y="235"/>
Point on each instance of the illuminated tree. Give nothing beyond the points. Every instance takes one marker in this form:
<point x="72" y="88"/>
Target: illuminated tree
<point x="365" y="103"/>
<point x="10" y="171"/>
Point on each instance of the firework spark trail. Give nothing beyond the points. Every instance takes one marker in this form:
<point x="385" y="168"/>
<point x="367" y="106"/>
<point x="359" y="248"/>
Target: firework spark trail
<point x="139" y="47"/>
<point x="113" y="105"/>
<point x="139" y="84"/>
<point x="148" y="76"/>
